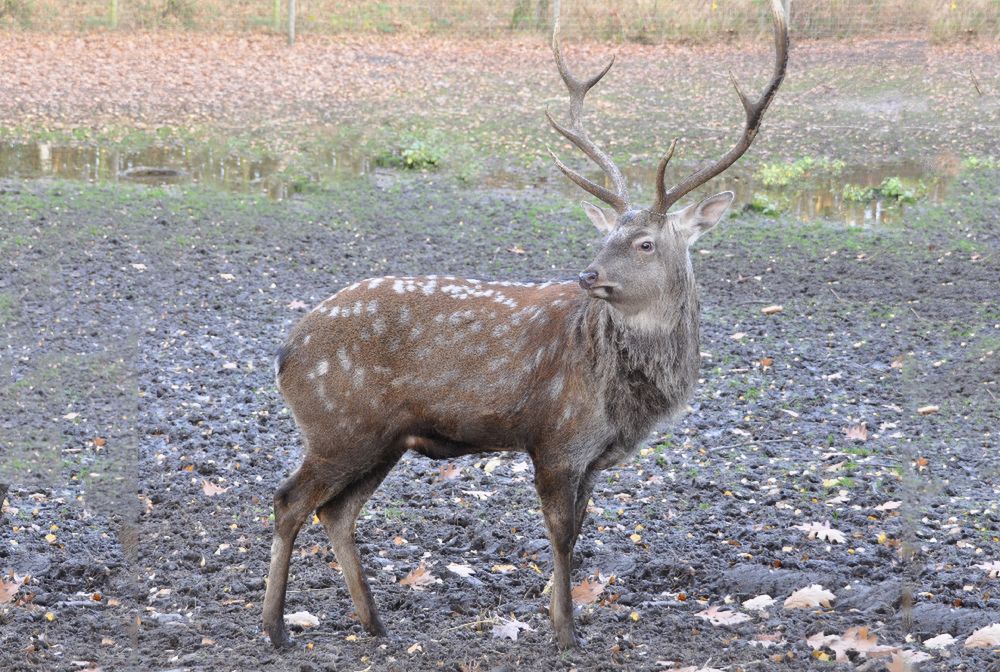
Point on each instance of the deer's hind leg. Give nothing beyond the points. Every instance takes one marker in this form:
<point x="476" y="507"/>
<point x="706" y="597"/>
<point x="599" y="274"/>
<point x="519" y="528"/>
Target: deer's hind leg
<point x="294" y="501"/>
<point x="338" y="516"/>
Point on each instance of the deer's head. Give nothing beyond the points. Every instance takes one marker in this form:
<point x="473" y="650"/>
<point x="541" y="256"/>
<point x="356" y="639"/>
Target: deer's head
<point x="644" y="260"/>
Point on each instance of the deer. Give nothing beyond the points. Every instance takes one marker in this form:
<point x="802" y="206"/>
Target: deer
<point x="575" y="374"/>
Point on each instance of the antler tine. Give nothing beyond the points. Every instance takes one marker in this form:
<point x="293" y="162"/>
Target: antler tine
<point x="617" y="199"/>
<point x="754" y="114"/>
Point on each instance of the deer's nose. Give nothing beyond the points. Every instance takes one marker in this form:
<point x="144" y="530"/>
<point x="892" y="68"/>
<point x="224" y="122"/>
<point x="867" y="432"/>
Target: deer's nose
<point x="588" y="278"/>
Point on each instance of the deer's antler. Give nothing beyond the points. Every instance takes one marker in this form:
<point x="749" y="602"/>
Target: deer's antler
<point x="617" y="199"/>
<point x="754" y="114"/>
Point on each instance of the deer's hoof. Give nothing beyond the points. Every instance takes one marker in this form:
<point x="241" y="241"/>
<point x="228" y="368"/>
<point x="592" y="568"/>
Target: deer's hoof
<point x="279" y="638"/>
<point x="569" y="640"/>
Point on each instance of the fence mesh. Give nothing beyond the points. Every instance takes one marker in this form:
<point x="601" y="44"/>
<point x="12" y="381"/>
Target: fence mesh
<point x="621" y="20"/>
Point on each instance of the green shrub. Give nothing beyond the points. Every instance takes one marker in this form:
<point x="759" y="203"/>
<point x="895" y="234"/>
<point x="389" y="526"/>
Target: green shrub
<point x="764" y="205"/>
<point x="416" y="154"/>
<point x="784" y="174"/>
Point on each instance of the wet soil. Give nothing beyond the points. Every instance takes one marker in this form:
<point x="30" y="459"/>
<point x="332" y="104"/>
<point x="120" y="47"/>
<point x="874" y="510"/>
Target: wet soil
<point x="139" y="327"/>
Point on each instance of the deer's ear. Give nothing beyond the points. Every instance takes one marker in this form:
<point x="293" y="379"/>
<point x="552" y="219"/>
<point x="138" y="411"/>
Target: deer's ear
<point x="696" y="220"/>
<point x="599" y="216"/>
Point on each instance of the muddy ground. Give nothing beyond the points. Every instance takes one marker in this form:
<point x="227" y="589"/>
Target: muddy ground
<point x="139" y="329"/>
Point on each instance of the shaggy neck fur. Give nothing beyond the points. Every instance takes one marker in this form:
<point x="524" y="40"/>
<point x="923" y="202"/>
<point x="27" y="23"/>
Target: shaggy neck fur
<point x="646" y="374"/>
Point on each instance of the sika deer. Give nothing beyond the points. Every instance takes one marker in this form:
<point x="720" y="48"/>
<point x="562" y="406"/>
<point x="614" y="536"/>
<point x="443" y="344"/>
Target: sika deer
<point x="574" y="375"/>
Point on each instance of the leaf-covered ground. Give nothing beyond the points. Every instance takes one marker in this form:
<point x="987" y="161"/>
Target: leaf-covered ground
<point x="832" y="490"/>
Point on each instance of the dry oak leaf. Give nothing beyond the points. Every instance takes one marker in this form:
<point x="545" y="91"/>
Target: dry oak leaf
<point x="509" y="629"/>
<point x="462" y="570"/>
<point x="809" y="597"/>
<point x="297" y="305"/>
<point x="759" y="603"/>
<point x="588" y="590"/>
<point x="419" y="578"/>
<point x="983" y="638"/>
<point x="906" y="661"/>
<point x="302" y="619"/>
<point x="992" y="568"/>
<point x="942" y="641"/>
<point x="692" y="668"/>
<point x="822" y="531"/>
<point x="772" y="310"/>
<point x="448" y="472"/>
<point x="717" y="616"/>
<point x="856" y="639"/>
<point x="888" y="506"/>
<point x="211" y="489"/>
<point x="8" y="589"/>
<point x="857" y="432"/>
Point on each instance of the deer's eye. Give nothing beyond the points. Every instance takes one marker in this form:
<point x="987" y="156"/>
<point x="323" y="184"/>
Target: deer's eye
<point x="646" y="246"/>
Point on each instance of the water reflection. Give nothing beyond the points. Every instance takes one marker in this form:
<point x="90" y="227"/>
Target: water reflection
<point x="815" y="197"/>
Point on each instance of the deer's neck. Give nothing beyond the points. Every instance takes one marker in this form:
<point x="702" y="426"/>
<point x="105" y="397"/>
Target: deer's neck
<point x="647" y="367"/>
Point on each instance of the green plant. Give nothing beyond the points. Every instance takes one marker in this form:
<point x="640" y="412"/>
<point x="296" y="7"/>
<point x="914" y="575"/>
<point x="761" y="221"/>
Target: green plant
<point x="979" y="163"/>
<point x="902" y="191"/>
<point x="858" y="194"/>
<point x="764" y="205"/>
<point x="417" y="154"/>
<point x="784" y="174"/>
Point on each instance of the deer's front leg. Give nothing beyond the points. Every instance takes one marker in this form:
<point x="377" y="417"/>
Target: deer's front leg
<point x="557" y="491"/>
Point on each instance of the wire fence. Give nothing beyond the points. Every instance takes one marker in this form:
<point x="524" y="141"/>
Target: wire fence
<point x="652" y="21"/>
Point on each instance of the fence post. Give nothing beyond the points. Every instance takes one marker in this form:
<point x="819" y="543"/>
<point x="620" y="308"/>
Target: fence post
<point x="291" y="22"/>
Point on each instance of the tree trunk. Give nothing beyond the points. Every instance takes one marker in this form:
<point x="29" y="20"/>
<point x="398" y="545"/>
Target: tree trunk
<point x="291" y="22"/>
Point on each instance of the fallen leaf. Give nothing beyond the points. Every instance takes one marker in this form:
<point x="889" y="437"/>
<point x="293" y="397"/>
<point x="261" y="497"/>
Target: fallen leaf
<point x="503" y="569"/>
<point x="857" y="432"/>
<point x="767" y="640"/>
<point x="767" y="362"/>
<point x="588" y="590"/>
<point x="301" y="619"/>
<point x="399" y="541"/>
<point x="415" y="648"/>
<point x="516" y="249"/>
<point x="205" y="641"/>
<point x="927" y="410"/>
<point x="71" y="416"/>
<point x="479" y="494"/>
<point x="100" y="441"/>
<point x="509" y="629"/>
<point x="809" y="597"/>
<point x="822" y="531"/>
<point x="759" y="603"/>
<point x="297" y="305"/>
<point x="419" y="578"/>
<point x="211" y="489"/>
<point x="984" y="637"/>
<point x="888" y="506"/>
<point x="942" y="641"/>
<point x="898" y="361"/>
<point x="906" y="661"/>
<point x="492" y="464"/>
<point x="772" y="310"/>
<point x="448" y="472"/>
<point x="854" y="639"/>
<point x="461" y="570"/>
<point x="992" y="568"/>
<point x="8" y="589"/>
<point x="717" y="616"/>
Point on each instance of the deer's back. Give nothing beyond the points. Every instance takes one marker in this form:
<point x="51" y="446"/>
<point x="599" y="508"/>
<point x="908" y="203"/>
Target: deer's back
<point x="489" y="364"/>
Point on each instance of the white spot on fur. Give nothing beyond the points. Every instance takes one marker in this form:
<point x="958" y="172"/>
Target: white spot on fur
<point x="357" y="308"/>
<point x="429" y="287"/>
<point x="373" y="284"/>
<point x="345" y="361"/>
<point x="404" y="315"/>
<point x="335" y="311"/>
<point x="358" y="378"/>
<point x="397" y="287"/>
<point x="378" y="326"/>
<point x="305" y="341"/>
<point x="321" y="368"/>
<point x="372" y="307"/>
<point x="556" y="386"/>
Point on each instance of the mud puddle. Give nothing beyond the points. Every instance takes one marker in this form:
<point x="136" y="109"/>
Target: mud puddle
<point x="855" y="195"/>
